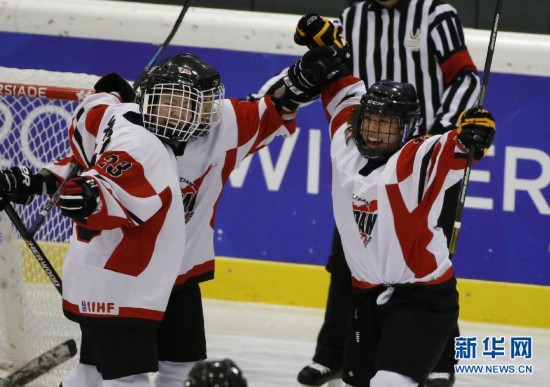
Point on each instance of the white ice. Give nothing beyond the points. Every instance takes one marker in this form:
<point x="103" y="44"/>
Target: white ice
<point x="271" y="343"/>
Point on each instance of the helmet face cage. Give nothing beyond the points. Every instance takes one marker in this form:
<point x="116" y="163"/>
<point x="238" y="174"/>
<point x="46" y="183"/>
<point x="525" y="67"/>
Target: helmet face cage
<point x="385" y="119"/>
<point x="177" y="112"/>
<point x="180" y="98"/>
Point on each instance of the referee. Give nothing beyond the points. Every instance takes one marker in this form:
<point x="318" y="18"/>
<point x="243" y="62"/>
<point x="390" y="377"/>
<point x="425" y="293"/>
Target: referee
<point x="419" y="42"/>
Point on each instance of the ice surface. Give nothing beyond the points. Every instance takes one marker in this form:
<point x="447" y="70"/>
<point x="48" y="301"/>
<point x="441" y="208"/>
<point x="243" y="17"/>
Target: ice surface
<point x="272" y="343"/>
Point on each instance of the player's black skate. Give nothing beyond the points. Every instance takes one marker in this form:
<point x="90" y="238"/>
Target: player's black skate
<point x="440" y="379"/>
<point x="316" y="374"/>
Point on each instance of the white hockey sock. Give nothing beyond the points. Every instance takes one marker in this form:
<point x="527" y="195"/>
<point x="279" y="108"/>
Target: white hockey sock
<point x="82" y="375"/>
<point x="140" y="380"/>
<point x="173" y="374"/>
<point x="391" y="379"/>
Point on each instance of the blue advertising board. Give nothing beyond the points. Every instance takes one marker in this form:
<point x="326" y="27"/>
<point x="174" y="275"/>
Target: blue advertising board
<point x="277" y="205"/>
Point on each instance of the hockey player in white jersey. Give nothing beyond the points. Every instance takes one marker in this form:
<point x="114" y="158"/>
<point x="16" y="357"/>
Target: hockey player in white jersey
<point x="387" y="193"/>
<point x="181" y="100"/>
<point x="210" y="143"/>
<point x="128" y="238"/>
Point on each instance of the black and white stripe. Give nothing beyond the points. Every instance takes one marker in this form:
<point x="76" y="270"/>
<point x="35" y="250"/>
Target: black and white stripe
<point x="408" y="43"/>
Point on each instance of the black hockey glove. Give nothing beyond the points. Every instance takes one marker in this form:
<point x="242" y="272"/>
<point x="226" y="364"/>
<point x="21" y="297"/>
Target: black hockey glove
<point x="316" y="31"/>
<point x="19" y="185"/>
<point x="476" y="128"/>
<point x="330" y="58"/>
<point x="78" y="198"/>
<point x="113" y="82"/>
<point x="301" y="84"/>
<point x="305" y="78"/>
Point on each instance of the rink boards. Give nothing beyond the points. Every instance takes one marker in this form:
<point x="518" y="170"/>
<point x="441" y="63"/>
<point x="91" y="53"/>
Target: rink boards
<point x="274" y="218"/>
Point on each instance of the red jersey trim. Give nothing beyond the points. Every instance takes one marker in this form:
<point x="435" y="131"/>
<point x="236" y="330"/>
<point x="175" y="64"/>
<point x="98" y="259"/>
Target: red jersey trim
<point x="366" y="285"/>
<point x="412" y="232"/>
<point x="197" y="270"/>
<point x="328" y="93"/>
<point x="270" y="122"/>
<point x="330" y="89"/>
<point x="251" y="123"/>
<point x="246" y="114"/>
<point x="412" y="228"/>
<point x="455" y="64"/>
<point x="133" y="253"/>
<point x="101" y="220"/>
<point x="123" y="312"/>
<point x="341" y="118"/>
<point x="228" y="167"/>
<point x="405" y="162"/>
<point x="93" y="119"/>
<point x="121" y="168"/>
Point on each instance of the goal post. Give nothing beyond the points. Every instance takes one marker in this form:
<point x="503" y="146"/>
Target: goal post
<point x="35" y="112"/>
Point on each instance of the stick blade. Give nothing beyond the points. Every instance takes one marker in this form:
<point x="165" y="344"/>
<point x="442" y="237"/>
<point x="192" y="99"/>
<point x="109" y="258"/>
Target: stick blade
<point x="41" y="365"/>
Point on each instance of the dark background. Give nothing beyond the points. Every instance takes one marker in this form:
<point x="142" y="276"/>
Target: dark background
<point x="531" y="16"/>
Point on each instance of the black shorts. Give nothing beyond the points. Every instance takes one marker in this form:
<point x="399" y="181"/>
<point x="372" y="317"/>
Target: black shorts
<point x="124" y="349"/>
<point x="119" y="350"/>
<point x="181" y="336"/>
<point x="406" y="335"/>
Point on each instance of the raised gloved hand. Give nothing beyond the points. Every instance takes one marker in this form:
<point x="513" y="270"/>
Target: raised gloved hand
<point x="18" y="185"/>
<point x="330" y="57"/>
<point x="305" y="78"/>
<point x="316" y="31"/>
<point x="476" y="127"/>
<point x="113" y="82"/>
<point x="78" y="197"/>
<point x="301" y="84"/>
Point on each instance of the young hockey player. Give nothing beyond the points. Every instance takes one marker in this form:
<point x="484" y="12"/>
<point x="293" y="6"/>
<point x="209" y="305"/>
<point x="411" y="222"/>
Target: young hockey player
<point x="416" y="41"/>
<point x="221" y="133"/>
<point x="128" y="235"/>
<point x="387" y="193"/>
<point x="181" y="101"/>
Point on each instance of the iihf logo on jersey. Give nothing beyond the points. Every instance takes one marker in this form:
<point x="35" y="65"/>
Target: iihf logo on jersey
<point x="365" y="217"/>
<point x="98" y="307"/>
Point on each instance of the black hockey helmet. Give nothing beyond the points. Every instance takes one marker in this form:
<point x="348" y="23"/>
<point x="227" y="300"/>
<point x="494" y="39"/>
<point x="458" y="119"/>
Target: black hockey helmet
<point x="180" y="98"/>
<point x="222" y="373"/>
<point x="389" y="99"/>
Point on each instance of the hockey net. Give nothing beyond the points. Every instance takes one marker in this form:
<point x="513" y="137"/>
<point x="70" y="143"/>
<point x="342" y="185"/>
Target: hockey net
<point x="35" y="111"/>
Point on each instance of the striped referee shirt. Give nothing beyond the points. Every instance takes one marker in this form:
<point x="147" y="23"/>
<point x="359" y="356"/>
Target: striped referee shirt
<point x="420" y="42"/>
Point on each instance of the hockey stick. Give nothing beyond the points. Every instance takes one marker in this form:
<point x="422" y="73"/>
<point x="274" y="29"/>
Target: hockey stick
<point x="51" y="203"/>
<point x="34" y="247"/>
<point x="186" y="5"/>
<point x="40" y="365"/>
<point x="479" y="105"/>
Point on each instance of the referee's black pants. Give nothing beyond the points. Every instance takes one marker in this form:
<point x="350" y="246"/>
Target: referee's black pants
<point x="332" y="336"/>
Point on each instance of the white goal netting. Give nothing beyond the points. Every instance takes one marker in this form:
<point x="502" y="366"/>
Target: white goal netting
<point x="35" y="111"/>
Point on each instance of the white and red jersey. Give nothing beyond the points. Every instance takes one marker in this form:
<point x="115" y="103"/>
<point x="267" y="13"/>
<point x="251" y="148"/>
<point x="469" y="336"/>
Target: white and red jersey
<point x="204" y="167"/>
<point x="122" y="261"/>
<point x="388" y="218"/>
